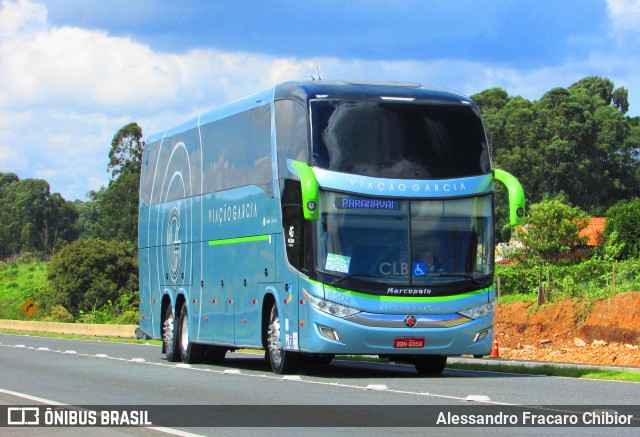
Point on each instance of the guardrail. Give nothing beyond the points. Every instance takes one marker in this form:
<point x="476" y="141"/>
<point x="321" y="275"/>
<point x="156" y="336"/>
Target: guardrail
<point x="122" y="331"/>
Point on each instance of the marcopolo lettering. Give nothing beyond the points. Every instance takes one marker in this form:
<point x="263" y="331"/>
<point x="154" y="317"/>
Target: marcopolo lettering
<point x="409" y="291"/>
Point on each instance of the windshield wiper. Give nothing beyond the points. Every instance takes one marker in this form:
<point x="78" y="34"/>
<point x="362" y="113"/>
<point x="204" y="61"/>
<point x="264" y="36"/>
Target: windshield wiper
<point x="475" y="281"/>
<point x="351" y="275"/>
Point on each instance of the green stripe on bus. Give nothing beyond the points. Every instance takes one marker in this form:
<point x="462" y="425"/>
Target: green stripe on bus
<point x="404" y="298"/>
<point x="239" y="240"/>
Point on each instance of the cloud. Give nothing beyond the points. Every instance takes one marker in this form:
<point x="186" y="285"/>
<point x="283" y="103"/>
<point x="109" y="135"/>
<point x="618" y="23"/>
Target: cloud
<point x="625" y="16"/>
<point x="21" y="16"/>
<point x="71" y="89"/>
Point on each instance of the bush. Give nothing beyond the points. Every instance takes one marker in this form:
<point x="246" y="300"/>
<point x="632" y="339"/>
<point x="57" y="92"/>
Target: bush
<point x="589" y="279"/>
<point x="123" y="312"/>
<point x="88" y="274"/>
<point x="622" y="231"/>
<point x="58" y="314"/>
<point x="517" y="279"/>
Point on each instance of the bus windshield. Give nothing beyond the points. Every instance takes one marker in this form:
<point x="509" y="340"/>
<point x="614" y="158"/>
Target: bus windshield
<point x="405" y="241"/>
<point x="398" y="140"/>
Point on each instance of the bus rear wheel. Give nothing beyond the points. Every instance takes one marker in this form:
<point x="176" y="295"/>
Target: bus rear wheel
<point x="430" y="364"/>
<point x="170" y="335"/>
<point x="190" y="352"/>
<point x="281" y="360"/>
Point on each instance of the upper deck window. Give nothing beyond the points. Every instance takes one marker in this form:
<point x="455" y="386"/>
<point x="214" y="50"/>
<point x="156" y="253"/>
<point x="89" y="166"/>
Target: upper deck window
<point x="398" y="140"/>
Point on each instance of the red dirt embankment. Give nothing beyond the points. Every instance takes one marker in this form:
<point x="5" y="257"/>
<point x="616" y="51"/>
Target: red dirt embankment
<point x="602" y="332"/>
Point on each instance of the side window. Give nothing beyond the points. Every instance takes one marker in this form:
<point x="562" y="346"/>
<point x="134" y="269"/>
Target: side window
<point x="148" y="172"/>
<point x="181" y="176"/>
<point x="237" y="171"/>
<point x="260" y="149"/>
<point x="291" y="134"/>
<point x="214" y="140"/>
<point x="237" y="151"/>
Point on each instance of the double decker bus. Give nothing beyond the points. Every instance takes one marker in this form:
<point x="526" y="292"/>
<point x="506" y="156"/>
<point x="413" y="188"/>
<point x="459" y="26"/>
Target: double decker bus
<point x="322" y="218"/>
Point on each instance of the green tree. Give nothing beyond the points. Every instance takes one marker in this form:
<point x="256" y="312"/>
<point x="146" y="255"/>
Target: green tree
<point x="7" y="179"/>
<point x="31" y="218"/>
<point x="60" y="217"/>
<point x="552" y="230"/>
<point x="574" y="140"/>
<point x="88" y="273"/>
<point x="622" y="230"/>
<point x="117" y="205"/>
<point x="118" y="209"/>
<point x="126" y="150"/>
<point x="22" y="216"/>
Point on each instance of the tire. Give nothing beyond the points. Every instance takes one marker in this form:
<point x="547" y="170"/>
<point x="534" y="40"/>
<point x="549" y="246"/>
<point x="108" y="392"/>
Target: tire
<point x="430" y="364"/>
<point x="170" y="335"/>
<point x="281" y="360"/>
<point x="190" y="352"/>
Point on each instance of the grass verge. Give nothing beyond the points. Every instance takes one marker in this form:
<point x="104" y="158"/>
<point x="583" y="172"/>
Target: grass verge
<point x="551" y="370"/>
<point x="81" y="337"/>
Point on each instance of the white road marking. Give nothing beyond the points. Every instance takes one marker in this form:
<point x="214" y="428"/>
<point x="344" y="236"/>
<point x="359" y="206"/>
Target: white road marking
<point x="299" y="380"/>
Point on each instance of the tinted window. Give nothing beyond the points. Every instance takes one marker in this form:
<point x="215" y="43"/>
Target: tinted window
<point x="179" y="177"/>
<point x="214" y="140"/>
<point x="237" y="151"/>
<point x="259" y="150"/>
<point x="149" y="160"/>
<point x="291" y="134"/>
<point x="398" y="140"/>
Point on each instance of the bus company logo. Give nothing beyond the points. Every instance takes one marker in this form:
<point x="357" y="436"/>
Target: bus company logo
<point x="173" y="244"/>
<point x="233" y="213"/>
<point x="410" y="321"/>
<point x="389" y="187"/>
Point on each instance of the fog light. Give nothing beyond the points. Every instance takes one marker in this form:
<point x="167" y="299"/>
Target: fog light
<point x="481" y="335"/>
<point x="331" y="334"/>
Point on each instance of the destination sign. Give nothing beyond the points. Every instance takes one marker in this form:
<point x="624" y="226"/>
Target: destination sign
<point x="360" y="203"/>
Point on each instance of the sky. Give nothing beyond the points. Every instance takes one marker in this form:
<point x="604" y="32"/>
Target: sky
<point x="73" y="72"/>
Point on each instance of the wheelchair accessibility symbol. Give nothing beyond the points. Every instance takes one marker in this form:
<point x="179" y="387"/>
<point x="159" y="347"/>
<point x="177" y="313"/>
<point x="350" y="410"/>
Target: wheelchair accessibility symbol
<point x="419" y="269"/>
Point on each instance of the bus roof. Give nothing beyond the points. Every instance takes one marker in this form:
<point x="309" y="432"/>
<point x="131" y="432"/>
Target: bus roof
<point x="369" y="90"/>
<point x="344" y="90"/>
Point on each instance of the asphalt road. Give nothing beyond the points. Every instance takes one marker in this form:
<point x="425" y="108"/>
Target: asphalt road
<point x="45" y="371"/>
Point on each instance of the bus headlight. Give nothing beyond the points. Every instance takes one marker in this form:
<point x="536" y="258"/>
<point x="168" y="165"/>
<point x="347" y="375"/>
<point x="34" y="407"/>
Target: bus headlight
<point x="329" y="307"/>
<point x="479" y="311"/>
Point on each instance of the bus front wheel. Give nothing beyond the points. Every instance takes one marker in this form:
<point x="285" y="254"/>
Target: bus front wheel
<point x="281" y="360"/>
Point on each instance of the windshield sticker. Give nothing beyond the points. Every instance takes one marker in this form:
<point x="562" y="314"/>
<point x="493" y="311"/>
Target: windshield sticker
<point x="338" y="263"/>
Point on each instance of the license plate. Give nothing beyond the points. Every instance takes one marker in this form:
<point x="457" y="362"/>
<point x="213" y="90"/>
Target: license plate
<point x="406" y="343"/>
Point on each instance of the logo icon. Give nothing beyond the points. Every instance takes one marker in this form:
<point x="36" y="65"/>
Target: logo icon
<point x="410" y="321"/>
<point x="23" y="416"/>
<point x="173" y="244"/>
